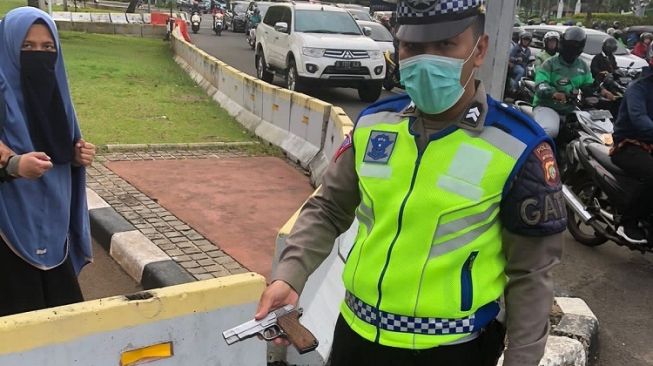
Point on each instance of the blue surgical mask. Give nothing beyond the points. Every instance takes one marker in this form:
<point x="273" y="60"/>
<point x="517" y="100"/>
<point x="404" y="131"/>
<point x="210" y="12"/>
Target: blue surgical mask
<point x="433" y="82"/>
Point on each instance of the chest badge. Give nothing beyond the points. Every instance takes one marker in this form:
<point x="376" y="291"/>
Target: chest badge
<point x="380" y="146"/>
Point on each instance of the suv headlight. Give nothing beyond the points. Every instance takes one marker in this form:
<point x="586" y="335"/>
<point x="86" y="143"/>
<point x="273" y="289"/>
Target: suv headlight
<point x="313" y="52"/>
<point x="375" y="54"/>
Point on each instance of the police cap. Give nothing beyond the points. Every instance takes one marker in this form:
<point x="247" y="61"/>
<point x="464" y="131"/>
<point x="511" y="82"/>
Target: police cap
<point x="435" y="20"/>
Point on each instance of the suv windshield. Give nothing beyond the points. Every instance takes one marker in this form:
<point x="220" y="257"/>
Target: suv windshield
<point x="379" y="32"/>
<point x="360" y="14"/>
<point x="321" y="21"/>
<point x="595" y="44"/>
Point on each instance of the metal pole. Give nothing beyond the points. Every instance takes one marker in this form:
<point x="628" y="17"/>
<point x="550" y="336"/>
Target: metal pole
<point x="149" y="10"/>
<point x="500" y="17"/>
<point x="50" y="7"/>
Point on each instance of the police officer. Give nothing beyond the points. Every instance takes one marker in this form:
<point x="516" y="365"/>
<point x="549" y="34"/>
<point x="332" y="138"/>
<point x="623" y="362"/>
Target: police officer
<point x="459" y="203"/>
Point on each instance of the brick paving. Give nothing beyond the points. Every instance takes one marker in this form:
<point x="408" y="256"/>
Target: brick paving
<point x="200" y="257"/>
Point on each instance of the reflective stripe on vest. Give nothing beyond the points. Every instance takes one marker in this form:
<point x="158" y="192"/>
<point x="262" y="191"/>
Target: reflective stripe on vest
<point x="429" y="247"/>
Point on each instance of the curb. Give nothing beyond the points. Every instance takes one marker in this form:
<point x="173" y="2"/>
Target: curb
<point x="177" y="146"/>
<point x="133" y="251"/>
<point x="574" y="338"/>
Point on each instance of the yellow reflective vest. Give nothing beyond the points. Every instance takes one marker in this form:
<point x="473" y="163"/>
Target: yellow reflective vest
<point x="427" y="265"/>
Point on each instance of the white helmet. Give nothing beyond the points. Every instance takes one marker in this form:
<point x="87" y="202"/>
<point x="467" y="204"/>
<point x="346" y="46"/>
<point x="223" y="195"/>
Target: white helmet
<point x="551" y="34"/>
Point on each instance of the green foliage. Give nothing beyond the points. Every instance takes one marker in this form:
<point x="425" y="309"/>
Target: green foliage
<point x="6" y="5"/>
<point x="626" y="20"/>
<point x="130" y="91"/>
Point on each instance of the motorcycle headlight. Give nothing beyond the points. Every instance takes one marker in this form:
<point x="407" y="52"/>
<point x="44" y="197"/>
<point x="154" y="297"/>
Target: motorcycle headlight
<point x="375" y="54"/>
<point x="313" y="52"/>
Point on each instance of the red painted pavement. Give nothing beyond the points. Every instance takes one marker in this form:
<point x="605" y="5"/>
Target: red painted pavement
<point x="238" y="204"/>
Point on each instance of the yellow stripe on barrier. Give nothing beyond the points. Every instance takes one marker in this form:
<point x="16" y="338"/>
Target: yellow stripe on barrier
<point x="146" y="354"/>
<point x="30" y="330"/>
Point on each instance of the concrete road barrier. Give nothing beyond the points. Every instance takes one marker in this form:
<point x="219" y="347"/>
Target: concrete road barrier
<point x="65" y="16"/>
<point x="307" y="127"/>
<point x="134" y="18"/>
<point x="100" y="28"/>
<point x="338" y="126"/>
<point x="178" y="325"/>
<point x="81" y="17"/>
<point x="118" y="18"/>
<point x="100" y="18"/>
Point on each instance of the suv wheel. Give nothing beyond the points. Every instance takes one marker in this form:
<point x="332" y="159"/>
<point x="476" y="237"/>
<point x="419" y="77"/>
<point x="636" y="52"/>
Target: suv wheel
<point x="369" y="92"/>
<point x="292" y="79"/>
<point x="261" y="72"/>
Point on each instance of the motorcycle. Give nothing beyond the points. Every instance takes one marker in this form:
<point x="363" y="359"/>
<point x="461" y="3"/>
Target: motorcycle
<point x="596" y="197"/>
<point x="195" y="21"/>
<point x="218" y="23"/>
<point x="392" y="79"/>
<point x="525" y="86"/>
<point x="251" y="35"/>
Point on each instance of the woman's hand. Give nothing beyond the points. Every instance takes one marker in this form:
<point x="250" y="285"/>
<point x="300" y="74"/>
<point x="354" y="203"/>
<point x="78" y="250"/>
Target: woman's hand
<point x="33" y="165"/>
<point x="84" y="153"/>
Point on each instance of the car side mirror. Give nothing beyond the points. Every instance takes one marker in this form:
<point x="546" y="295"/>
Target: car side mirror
<point x="281" y="27"/>
<point x="367" y="31"/>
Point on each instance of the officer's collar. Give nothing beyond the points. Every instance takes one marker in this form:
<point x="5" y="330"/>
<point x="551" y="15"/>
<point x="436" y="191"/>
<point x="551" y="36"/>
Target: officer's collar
<point x="473" y="117"/>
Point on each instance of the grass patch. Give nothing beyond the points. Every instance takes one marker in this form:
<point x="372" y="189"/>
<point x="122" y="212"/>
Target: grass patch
<point x="130" y="91"/>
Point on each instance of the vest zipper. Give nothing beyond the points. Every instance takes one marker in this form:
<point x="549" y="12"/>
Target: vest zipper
<point x="394" y="240"/>
<point x="466" y="284"/>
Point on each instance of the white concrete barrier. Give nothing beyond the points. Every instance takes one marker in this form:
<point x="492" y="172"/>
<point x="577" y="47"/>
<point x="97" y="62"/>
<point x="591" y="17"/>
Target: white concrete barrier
<point x="307" y="127"/>
<point x="64" y="16"/>
<point x="100" y="18"/>
<point x="118" y="18"/>
<point x="134" y="18"/>
<point x="81" y="17"/>
<point x="338" y="126"/>
<point x="147" y="18"/>
<point x="174" y="326"/>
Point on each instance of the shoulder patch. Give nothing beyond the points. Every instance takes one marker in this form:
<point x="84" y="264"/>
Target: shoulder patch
<point x="546" y="156"/>
<point x="346" y="145"/>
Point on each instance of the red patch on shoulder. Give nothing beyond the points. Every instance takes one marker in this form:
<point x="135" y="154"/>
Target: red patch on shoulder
<point x="346" y="144"/>
<point x="547" y="159"/>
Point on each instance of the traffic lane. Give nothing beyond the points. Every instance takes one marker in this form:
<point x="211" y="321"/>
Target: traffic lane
<point x="232" y="48"/>
<point x="616" y="284"/>
<point x="104" y="277"/>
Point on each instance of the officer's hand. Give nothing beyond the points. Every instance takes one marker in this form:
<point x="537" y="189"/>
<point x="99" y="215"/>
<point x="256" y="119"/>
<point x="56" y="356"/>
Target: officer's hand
<point x="607" y="95"/>
<point x="33" y="165"/>
<point x="560" y="97"/>
<point x="276" y="295"/>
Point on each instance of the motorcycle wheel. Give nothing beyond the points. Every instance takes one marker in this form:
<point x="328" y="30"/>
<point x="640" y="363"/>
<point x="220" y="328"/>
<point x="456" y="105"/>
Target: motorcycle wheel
<point x="584" y="234"/>
<point x="388" y="84"/>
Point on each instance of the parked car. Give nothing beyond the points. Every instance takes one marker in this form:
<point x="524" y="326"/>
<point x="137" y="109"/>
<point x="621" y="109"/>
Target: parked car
<point x="320" y="45"/>
<point x="360" y="14"/>
<point x="592" y="47"/>
<point x="379" y="34"/>
<point x="236" y="16"/>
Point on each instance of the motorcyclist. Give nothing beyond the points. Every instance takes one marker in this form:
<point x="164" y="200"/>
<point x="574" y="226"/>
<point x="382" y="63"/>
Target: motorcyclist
<point x="550" y="41"/>
<point x="254" y="19"/>
<point x="642" y="46"/>
<point x="605" y="62"/>
<point x="633" y="145"/>
<point x="196" y="7"/>
<point x="519" y="57"/>
<point x="559" y="78"/>
<point x="619" y="36"/>
<point x="603" y="67"/>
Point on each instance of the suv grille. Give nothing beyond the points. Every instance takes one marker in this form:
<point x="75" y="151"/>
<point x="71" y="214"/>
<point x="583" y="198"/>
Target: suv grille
<point x="331" y="70"/>
<point x="346" y="54"/>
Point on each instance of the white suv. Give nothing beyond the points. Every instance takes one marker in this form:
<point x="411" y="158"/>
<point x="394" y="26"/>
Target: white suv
<point x="318" y="45"/>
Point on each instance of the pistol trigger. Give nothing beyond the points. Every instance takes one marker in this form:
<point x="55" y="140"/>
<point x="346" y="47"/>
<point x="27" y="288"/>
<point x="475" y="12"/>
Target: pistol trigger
<point x="271" y="333"/>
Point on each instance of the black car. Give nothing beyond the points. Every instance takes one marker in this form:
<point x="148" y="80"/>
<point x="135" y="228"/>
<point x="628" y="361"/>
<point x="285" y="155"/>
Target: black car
<point x="236" y="16"/>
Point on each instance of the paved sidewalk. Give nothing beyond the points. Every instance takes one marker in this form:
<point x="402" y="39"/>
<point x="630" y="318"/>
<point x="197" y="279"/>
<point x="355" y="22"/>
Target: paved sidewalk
<point x="201" y="257"/>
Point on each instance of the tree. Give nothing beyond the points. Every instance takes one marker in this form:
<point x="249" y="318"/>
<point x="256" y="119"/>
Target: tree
<point x="33" y="3"/>
<point x="639" y="6"/>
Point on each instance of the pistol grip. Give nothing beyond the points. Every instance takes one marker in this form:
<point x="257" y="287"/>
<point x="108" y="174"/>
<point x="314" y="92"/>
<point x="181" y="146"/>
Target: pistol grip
<point x="297" y="334"/>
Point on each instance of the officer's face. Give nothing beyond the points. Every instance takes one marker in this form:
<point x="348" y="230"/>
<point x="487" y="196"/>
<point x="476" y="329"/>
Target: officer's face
<point x="460" y="46"/>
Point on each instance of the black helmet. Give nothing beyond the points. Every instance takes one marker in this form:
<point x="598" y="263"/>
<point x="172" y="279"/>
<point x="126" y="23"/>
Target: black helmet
<point x="526" y="35"/>
<point x="609" y="46"/>
<point x="530" y="22"/>
<point x="618" y="34"/>
<point x="572" y="43"/>
<point x="616" y="24"/>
